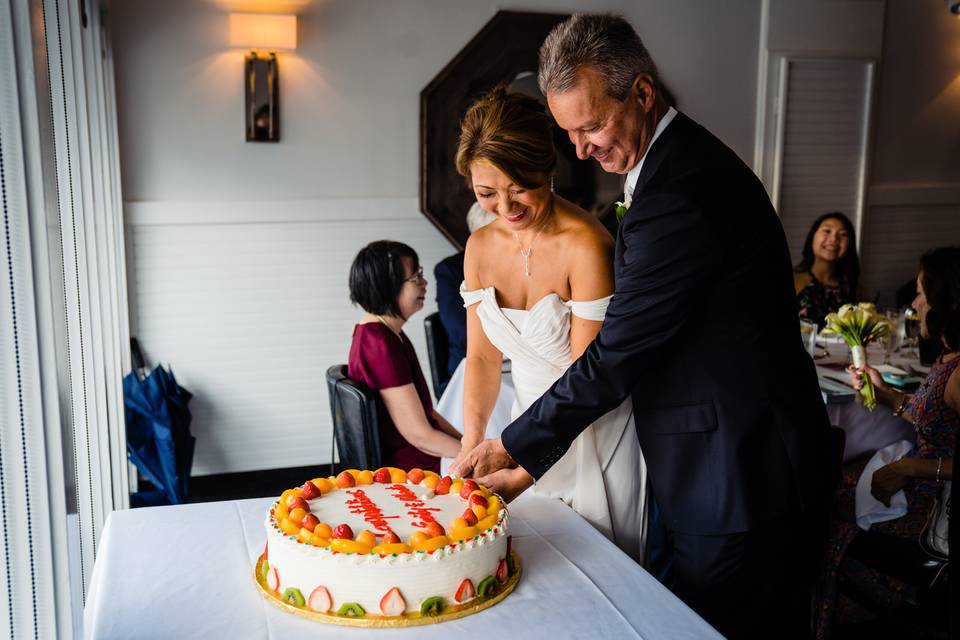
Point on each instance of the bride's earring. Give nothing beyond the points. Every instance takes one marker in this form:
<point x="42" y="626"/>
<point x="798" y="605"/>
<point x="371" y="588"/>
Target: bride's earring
<point x="551" y="184"/>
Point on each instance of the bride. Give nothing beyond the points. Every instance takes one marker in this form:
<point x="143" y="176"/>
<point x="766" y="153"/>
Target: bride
<point x="537" y="283"/>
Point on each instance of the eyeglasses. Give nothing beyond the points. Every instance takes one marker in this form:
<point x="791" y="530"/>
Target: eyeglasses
<point x="417" y="276"/>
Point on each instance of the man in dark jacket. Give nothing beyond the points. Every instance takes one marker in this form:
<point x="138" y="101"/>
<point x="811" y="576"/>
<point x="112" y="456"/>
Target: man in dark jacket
<point x="448" y="275"/>
<point x="703" y="332"/>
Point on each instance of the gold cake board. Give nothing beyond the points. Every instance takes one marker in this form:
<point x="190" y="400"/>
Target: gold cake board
<point x="376" y="621"/>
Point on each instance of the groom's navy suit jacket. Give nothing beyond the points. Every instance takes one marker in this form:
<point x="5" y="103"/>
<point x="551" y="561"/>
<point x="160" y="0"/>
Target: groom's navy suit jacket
<point x="702" y="330"/>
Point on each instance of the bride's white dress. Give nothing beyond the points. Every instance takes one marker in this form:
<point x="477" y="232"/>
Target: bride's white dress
<point x="603" y="475"/>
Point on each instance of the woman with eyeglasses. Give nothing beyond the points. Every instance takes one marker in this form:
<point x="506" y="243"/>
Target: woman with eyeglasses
<point x="386" y="281"/>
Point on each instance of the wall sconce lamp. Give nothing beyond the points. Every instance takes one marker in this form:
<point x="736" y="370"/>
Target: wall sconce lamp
<point x="263" y="34"/>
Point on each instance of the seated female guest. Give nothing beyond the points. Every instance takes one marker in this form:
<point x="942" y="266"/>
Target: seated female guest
<point x="826" y="276"/>
<point x="386" y="280"/>
<point x="934" y="411"/>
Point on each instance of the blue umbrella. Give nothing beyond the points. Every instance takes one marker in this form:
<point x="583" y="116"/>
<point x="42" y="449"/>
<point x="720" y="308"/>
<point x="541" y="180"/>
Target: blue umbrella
<point x="158" y="432"/>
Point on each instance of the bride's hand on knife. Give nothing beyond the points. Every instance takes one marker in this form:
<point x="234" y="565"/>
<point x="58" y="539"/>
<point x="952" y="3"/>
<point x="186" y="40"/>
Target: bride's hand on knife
<point x="466" y="446"/>
<point x="482" y="460"/>
<point x="509" y="483"/>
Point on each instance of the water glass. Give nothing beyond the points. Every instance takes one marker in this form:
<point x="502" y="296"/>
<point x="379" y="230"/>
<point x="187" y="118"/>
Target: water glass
<point x="808" y="334"/>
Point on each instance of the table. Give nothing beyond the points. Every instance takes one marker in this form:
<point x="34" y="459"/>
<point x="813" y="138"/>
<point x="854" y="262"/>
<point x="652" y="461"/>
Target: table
<point x="187" y="572"/>
<point x="866" y="431"/>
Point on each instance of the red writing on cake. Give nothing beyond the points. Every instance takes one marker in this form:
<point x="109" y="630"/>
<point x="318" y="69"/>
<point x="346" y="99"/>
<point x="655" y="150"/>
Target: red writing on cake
<point x="361" y="503"/>
<point x="415" y="505"/>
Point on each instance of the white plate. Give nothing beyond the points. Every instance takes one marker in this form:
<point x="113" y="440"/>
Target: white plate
<point x="891" y="370"/>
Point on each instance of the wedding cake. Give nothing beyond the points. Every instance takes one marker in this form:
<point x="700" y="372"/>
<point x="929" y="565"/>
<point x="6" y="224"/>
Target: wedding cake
<point x="386" y="548"/>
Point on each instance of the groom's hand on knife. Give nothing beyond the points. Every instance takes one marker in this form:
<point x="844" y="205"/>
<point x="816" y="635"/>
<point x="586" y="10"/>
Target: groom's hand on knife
<point x="482" y="460"/>
<point x="508" y="483"/>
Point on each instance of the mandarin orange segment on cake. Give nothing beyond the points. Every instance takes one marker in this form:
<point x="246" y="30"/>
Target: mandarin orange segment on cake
<point x="386" y="544"/>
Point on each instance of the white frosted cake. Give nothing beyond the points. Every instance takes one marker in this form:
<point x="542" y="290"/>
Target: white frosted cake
<point x="386" y="545"/>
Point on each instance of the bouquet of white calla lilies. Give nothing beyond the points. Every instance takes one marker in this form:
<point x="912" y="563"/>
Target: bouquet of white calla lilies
<point x="859" y="325"/>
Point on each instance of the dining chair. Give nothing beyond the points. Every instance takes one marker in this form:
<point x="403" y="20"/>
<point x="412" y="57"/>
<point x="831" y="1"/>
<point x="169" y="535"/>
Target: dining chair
<point x="906" y="561"/>
<point x="353" y="406"/>
<point x="438" y="351"/>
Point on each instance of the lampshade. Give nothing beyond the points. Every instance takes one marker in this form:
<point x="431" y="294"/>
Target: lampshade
<point x="263" y="31"/>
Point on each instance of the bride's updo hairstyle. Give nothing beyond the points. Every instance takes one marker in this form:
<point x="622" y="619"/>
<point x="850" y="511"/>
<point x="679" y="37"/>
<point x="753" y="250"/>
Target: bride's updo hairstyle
<point x="377" y="276"/>
<point x="511" y="132"/>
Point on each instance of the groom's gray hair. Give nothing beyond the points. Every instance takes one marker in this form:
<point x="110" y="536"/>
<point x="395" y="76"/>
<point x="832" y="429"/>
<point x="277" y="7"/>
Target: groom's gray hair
<point x="605" y="42"/>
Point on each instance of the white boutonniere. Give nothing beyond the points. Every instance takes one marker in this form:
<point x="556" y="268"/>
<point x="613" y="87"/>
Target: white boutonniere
<point x="621" y="208"/>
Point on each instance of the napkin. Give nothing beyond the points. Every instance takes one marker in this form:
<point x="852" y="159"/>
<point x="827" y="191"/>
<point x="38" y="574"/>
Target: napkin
<point x="868" y="508"/>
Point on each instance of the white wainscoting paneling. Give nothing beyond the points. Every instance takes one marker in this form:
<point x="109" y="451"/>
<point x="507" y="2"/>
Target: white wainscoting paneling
<point x="248" y="302"/>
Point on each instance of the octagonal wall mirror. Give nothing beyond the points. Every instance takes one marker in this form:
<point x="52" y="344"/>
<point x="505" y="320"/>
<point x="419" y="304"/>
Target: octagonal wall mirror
<point x="504" y="52"/>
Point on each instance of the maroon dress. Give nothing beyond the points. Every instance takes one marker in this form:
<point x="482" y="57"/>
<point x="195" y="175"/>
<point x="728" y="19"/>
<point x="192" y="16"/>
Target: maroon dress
<point x="381" y="360"/>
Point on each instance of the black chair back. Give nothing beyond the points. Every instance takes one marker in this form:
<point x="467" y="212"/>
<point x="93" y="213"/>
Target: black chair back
<point x="353" y="406"/>
<point x="438" y="351"/>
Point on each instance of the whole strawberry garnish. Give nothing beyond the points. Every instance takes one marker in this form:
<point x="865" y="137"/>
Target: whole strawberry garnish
<point x="310" y="522"/>
<point x="390" y="538"/>
<point x="342" y="531"/>
<point x="346" y="480"/>
<point x="298" y="503"/>
<point x="382" y="476"/>
<point x="443" y="486"/>
<point x="470" y="517"/>
<point x="309" y="491"/>
<point x="478" y="499"/>
<point x="468" y="487"/>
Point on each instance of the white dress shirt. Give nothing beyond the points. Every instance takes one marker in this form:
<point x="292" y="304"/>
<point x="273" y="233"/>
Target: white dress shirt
<point x="630" y="184"/>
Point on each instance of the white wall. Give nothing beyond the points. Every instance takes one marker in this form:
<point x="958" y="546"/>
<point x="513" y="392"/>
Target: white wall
<point x="350" y="92"/>
<point x="239" y="252"/>
<point x="913" y="174"/>
<point x="914" y="199"/>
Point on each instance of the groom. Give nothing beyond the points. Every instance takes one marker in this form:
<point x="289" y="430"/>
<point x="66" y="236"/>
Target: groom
<point x="702" y="331"/>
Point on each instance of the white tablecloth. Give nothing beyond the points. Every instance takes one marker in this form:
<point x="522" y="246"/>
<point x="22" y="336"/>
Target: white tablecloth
<point x="866" y="431"/>
<point x="187" y="572"/>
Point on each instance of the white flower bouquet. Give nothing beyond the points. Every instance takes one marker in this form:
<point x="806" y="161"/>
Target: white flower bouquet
<point x="859" y="325"/>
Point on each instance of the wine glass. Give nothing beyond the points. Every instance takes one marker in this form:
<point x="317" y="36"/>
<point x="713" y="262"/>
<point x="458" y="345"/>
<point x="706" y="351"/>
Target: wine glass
<point x="808" y="334"/>
<point x="911" y="328"/>
<point x="894" y="339"/>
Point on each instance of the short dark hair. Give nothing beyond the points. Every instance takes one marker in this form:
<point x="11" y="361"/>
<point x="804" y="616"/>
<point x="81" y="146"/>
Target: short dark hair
<point x="940" y="276"/>
<point x="848" y="266"/>
<point x="377" y="276"/>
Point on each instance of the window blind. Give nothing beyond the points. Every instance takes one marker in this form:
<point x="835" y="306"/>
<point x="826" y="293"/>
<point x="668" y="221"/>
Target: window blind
<point x="824" y="122"/>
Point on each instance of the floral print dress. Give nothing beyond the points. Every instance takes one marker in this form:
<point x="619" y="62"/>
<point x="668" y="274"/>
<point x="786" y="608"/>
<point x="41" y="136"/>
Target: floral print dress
<point x="937" y="425"/>
<point x="816" y="300"/>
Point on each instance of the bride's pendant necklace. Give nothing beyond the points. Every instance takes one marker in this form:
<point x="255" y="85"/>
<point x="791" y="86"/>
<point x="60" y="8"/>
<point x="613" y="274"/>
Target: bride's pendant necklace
<point x="526" y="252"/>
